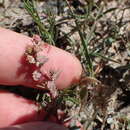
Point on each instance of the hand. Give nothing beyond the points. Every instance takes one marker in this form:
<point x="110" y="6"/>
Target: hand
<point x="14" y="70"/>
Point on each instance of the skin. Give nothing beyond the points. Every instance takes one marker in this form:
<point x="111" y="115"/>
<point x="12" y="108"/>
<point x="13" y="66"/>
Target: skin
<point x="36" y="125"/>
<point x="14" y="70"/>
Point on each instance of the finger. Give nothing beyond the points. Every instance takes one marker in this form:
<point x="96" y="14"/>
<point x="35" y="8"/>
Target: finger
<point x="36" y="126"/>
<point x="15" y="109"/>
<point x="15" y="70"/>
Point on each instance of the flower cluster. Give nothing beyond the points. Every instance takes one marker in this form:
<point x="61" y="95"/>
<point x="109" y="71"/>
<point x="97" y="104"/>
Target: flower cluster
<point x="32" y="52"/>
<point x="38" y="60"/>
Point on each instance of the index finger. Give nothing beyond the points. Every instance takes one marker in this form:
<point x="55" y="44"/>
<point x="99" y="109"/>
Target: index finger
<point x="14" y="69"/>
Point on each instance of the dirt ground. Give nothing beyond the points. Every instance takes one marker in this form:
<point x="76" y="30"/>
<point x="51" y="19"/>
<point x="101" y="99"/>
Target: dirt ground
<point x="107" y="106"/>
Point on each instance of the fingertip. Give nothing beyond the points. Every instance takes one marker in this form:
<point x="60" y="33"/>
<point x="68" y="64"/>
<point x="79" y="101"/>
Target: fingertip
<point x="67" y="64"/>
<point x="15" y="109"/>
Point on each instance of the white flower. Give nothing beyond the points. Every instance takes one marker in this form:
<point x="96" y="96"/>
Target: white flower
<point x="110" y="120"/>
<point x="36" y="75"/>
<point x="31" y="59"/>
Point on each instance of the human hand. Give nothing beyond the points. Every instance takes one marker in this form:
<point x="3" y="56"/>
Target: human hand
<point x="15" y="110"/>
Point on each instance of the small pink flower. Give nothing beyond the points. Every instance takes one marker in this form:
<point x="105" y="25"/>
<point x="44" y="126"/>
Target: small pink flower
<point x="36" y="75"/>
<point x="31" y="59"/>
<point x="36" y="39"/>
<point x="37" y="48"/>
